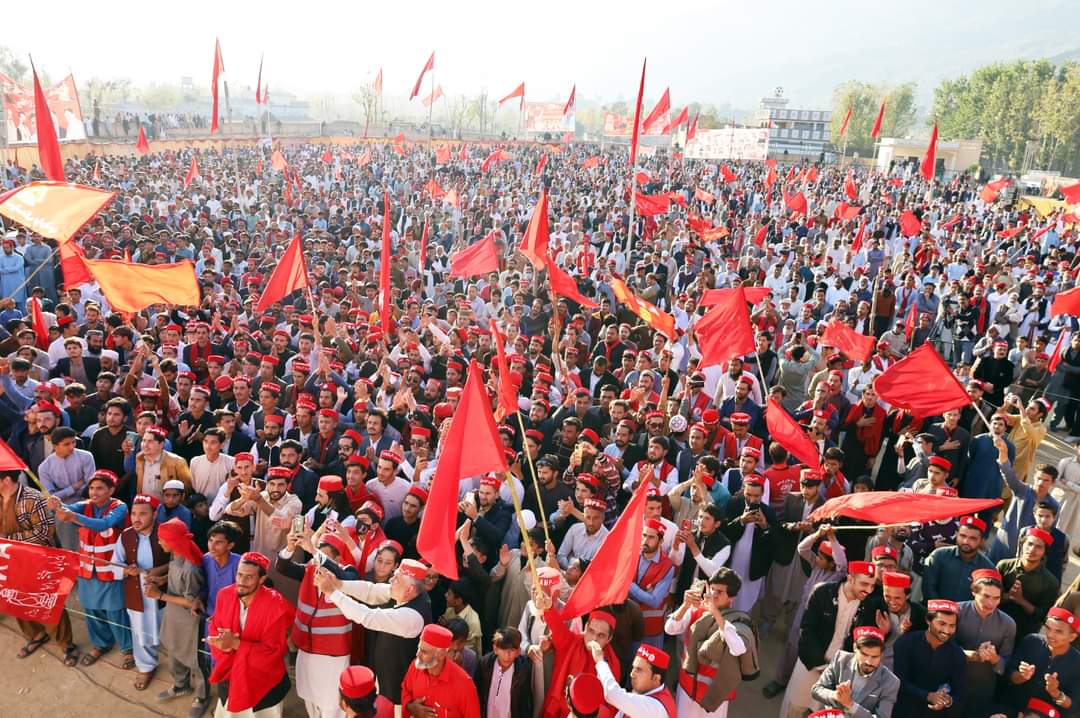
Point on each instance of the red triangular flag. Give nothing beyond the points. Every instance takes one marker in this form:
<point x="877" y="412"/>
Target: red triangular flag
<point x="725" y="331"/>
<point x="541" y="163"/>
<point x="258" y="83"/>
<point x="591" y="162"/>
<point x="192" y="173"/>
<point x="784" y="430"/>
<point x="759" y="236"/>
<point x="663" y="106"/>
<point x="846" y="212"/>
<point x="471" y="448"/>
<point x="9" y="460"/>
<point x="442" y="155"/>
<point x="877" y="123"/>
<point x="432" y="187"/>
<point x="856" y="245"/>
<point x="844" y="124"/>
<point x="677" y="122"/>
<point x="1071" y="193"/>
<point x="637" y="117"/>
<point x="377" y="87"/>
<point x="498" y="155"/>
<point x="656" y="318"/>
<point x="848" y="341"/>
<point x="849" y="187"/>
<point x="922" y="384"/>
<point x="770" y="179"/>
<point x="327" y="157"/>
<point x="534" y="245"/>
<point x="691" y="132"/>
<point x="507" y="392"/>
<point x="141" y="145"/>
<point x="1059" y="347"/>
<point x="37" y="322"/>
<point x="608" y="577"/>
<point x="929" y="164"/>
<point x="453" y="199"/>
<point x="219" y="67"/>
<point x="727" y="174"/>
<point x="796" y="202"/>
<point x="569" y="106"/>
<point x="911" y="321"/>
<point x="428" y="66"/>
<point x="423" y="247"/>
<point x="461" y="154"/>
<point x="477" y="259"/>
<point x="48" y="144"/>
<point x="910" y="225"/>
<point x="518" y="91"/>
<point x="289" y="275"/>
<point x="1066" y="303"/>
<point x="564" y="286"/>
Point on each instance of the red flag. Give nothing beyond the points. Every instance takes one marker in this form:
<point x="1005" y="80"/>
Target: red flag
<point x="988" y="195"/>
<point x="565" y="286"/>
<point x="761" y="234"/>
<point x="288" y="193"/>
<point x="569" y="106"/>
<point x="591" y="162"/>
<point x="97" y="171"/>
<point x="877" y="123"/>
<point x="37" y="322"/>
<point x="910" y="322"/>
<point x="1055" y="356"/>
<point x="692" y="130"/>
<point x="922" y="384"/>
<point x="1012" y="231"/>
<point x="35" y="581"/>
<point x="700" y="194"/>
<point x="1071" y="193"/>
<point x="952" y="222"/>
<point x="770" y="179"/>
<point x="453" y="199"/>
<point x="278" y="162"/>
<point x="442" y="155"/>
<point x="386" y="297"/>
<point x="541" y="163"/>
<point x="998" y="185"/>
<point x="219" y="67"/>
<point x="428" y="67"/>
<point x="433" y="188"/>
<point x="846" y="212"/>
<point x="192" y="173"/>
<point x="507" y="392"/>
<point x="848" y="341"/>
<point x="57" y="210"/>
<point x="637" y="116"/>
<point x="9" y="460"/>
<point x="519" y="91"/>
<point x="327" y="156"/>
<point x="134" y="287"/>
<point x="651" y="204"/>
<point x="73" y="266"/>
<point x="663" y="106"/>
<point x="258" y="83"/>
<point x="725" y="331"/>
<point x="534" y="245"/>
<point x="477" y="259"/>
<point x="364" y="158"/>
<point x="471" y="447"/>
<point x="899" y="507"/>
<point x="796" y="202"/>
<point x="811" y="175"/>
<point x="784" y="430"/>
<point x="753" y="295"/>
<point x="856" y="245"/>
<point x="656" y="318"/>
<point x="910" y="225"/>
<point x="849" y="187"/>
<point x="498" y="155"/>
<point x="434" y="96"/>
<point x="929" y="163"/>
<point x="609" y="575"/>
<point x="423" y="246"/>
<point x="461" y="155"/>
<point x="378" y="83"/>
<point x="727" y="174"/>
<point x="677" y="122"/>
<point x="48" y="144"/>
<point x="844" y="124"/>
<point x="289" y="275"/>
<point x="1066" y="303"/>
<point x="141" y="145"/>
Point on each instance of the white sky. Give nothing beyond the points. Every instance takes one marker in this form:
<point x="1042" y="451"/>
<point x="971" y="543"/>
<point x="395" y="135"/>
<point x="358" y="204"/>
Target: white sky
<point x="707" y="50"/>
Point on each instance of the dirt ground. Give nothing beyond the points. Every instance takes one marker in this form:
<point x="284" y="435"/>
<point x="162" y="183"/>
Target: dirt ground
<point x="41" y="686"/>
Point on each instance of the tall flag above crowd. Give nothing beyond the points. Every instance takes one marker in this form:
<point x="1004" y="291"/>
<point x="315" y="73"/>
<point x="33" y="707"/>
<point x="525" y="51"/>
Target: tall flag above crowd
<point x="48" y="143"/>
<point x="219" y="70"/>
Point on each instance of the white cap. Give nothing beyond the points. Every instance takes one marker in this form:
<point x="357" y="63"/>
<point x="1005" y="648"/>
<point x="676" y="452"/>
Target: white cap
<point x="175" y="484"/>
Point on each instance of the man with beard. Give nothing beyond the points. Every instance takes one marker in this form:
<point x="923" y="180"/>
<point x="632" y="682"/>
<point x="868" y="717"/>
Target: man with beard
<point x="931" y="666"/>
<point x="891" y="610"/>
<point x="987" y="636"/>
<point x="708" y="547"/>
<point x="405" y="528"/>
<point x="435" y="687"/>
<point x="751" y="527"/>
<point x="147" y="562"/>
<point x="947" y="570"/>
<point x="389" y="488"/>
<point x="997" y="370"/>
<point x="858" y="682"/>
<point x="267" y="450"/>
<point x="490" y="516"/>
<point x="952" y="441"/>
<point x="551" y="490"/>
<point x="303" y="482"/>
<point x="273" y="508"/>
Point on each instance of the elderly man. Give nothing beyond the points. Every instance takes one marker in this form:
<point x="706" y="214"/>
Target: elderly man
<point x="435" y="687"/>
<point x="856" y="681"/>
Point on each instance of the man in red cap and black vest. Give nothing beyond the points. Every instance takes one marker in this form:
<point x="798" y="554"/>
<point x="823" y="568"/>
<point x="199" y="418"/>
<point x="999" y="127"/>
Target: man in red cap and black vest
<point x="435" y="687"/>
<point x="392" y="631"/>
<point x="248" y="641"/>
<point x="650" y="697"/>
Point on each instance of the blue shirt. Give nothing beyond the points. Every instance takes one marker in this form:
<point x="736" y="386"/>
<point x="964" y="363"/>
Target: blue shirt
<point x="217" y="578"/>
<point x="946" y="575"/>
<point x="656" y="595"/>
<point x="180" y="512"/>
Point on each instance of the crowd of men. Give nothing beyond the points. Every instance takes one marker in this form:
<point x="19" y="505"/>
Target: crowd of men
<point x="245" y="489"/>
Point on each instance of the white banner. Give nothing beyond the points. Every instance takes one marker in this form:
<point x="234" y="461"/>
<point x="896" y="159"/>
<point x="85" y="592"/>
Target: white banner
<point x="729" y="144"/>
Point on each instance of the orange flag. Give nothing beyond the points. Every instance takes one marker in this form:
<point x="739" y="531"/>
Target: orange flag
<point x="364" y="158"/>
<point x="56" y="210"/>
<point x="519" y="91"/>
<point x="73" y="266"/>
<point x="289" y="275"/>
<point x="656" y="318"/>
<point x="534" y="245"/>
<point x="442" y="155"/>
<point x="134" y="287"/>
<point x="432" y="187"/>
<point x="278" y="161"/>
<point x="428" y="67"/>
<point x="219" y="67"/>
<point x="496" y="156"/>
<point x="453" y="199"/>
<point x="591" y="162"/>
<point x="192" y="173"/>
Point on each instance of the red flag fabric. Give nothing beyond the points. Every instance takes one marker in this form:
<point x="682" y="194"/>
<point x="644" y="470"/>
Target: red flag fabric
<point x="811" y="175"/>
<point x="37" y="322"/>
<point x="952" y="222"/>
<point x="692" y="130"/>
<point x="761" y="234"/>
<point x="364" y="158"/>
<point x="988" y="195"/>
<point x="1066" y="303"/>
<point x="852" y="344"/>
<point x="258" y="83"/>
<point x="52" y="164"/>
<point x="1041" y="232"/>
<point x="660" y="110"/>
<point x="73" y="266"/>
<point x="471" y="447"/>
<point x="507" y="392"/>
<point x="704" y="196"/>
<point x="850" y="189"/>
<point x="541" y="164"/>
<point x="846" y="212"/>
<point x="856" y="244"/>
<point x="378" y="83"/>
<point x="922" y="384"/>
<point x="477" y="259"/>
<point x="219" y="67"/>
<point x="796" y="202"/>
<point x="97" y="171"/>
<point x="637" y="117"/>
<point x="278" y="161"/>
<point x="899" y="507"/>
<point x="998" y="185"/>
<point x="728" y="175"/>
<point x="56" y="210"/>
<point x="591" y="162"/>
<point x="289" y="274"/>
<point x="462" y="154"/>
<point x="770" y="179"/>
<point x="192" y="173"/>
<point x="609" y="575"/>
<point x="35" y="581"/>
<point x="1059" y="347"/>
<point x="453" y="199"/>
<point x="1071" y="193"/>
<point x="386" y="307"/>
<point x="910" y="225"/>
<point x="134" y="287"/>
<point x="565" y="286"/>
<point x="753" y="295"/>
<point x="428" y="67"/>
<point x="656" y="318"/>
<point x="141" y="145"/>
<point x="434" y="189"/>
<point x="423" y="246"/>
<point x="569" y="106"/>
<point x="534" y="245"/>
<point x="499" y="155"/>
<point x="434" y="96"/>
<point x="844" y="124"/>
<point x="1012" y="231"/>
<point x="9" y="460"/>
<point x="442" y="155"/>
<point x="677" y="122"/>
<point x="910" y="322"/>
<point x="518" y="91"/>
<point x="929" y="163"/>
<point x="877" y="123"/>
<point x="725" y="331"/>
<point x="784" y="430"/>
<point x="651" y="204"/>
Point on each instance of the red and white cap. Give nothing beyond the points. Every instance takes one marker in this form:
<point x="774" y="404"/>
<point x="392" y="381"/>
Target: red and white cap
<point x="656" y="658"/>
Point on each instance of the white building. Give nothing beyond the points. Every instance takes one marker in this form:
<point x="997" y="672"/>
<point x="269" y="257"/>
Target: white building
<point x="953" y="156"/>
<point x="793" y="132"/>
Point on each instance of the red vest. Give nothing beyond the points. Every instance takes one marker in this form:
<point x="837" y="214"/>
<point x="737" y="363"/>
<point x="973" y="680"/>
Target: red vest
<point x="98" y="545"/>
<point x="654" y="615"/>
<point x="319" y="626"/>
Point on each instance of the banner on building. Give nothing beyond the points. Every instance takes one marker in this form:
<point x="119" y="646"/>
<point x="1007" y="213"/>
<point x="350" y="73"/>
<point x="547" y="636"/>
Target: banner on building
<point x="63" y="101"/>
<point x="729" y="144"/>
<point x="547" y="117"/>
<point x="619" y="126"/>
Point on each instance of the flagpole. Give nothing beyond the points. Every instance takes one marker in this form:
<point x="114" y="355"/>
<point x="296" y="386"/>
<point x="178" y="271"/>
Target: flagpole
<point x="34" y="273"/>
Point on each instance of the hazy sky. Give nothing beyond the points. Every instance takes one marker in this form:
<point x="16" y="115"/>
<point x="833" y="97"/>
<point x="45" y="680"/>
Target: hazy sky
<point x="706" y="50"/>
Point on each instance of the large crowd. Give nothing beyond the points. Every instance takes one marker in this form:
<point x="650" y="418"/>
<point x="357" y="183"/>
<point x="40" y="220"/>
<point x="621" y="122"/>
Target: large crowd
<point x="245" y="489"/>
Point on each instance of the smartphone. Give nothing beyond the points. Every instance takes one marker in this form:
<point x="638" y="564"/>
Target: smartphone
<point x="132" y="436"/>
<point x="298" y="524"/>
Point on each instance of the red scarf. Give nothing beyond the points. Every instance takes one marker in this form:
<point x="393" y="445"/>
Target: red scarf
<point x="870" y="436"/>
<point x="259" y="660"/>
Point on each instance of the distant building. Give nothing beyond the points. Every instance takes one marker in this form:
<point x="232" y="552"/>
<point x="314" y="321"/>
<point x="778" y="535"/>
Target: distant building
<point x="793" y="132"/>
<point x="953" y="156"/>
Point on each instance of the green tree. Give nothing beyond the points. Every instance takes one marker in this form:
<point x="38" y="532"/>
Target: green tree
<point x="12" y="66"/>
<point x="865" y="99"/>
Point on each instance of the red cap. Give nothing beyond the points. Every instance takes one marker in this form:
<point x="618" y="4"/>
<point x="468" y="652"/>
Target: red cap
<point x="330" y="413"/>
<point x="895" y="579"/>
<point x="879" y="551"/>
<point x="939" y="604"/>
<point x="655" y="525"/>
<point x="436" y="636"/>
<point x="974" y="522"/>
<point x="245" y="456"/>
<point x="357" y="460"/>
<point x="1042" y="707"/>
<point x="535" y="435"/>
<point x="1063" y="614"/>
<point x="278" y="472"/>
<point x="151" y="501"/>
<point x="374" y="508"/>
<point x="603" y="616"/>
<point x="598" y="504"/>
<point x="986" y="573"/>
<point x="941" y="462"/>
<point x="418" y="492"/>
<point x="392" y="456"/>
<point x="586" y="694"/>
<point x="751" y="451"/>
<point x="273" y="418"/>
<point x="491" y="481"/>
<point x="710" y="416"/>
<point x="740" y="418"/>
<point x="1042" y="535"/>
<point x="861" y="567"/>
<point x="590" y="436"/>
<point x="654" y="656"/>
<point x="256" y="558"/>
<point x="863" y="631"/>
<point x="413" y="568"/>
<point x="105" y="475"/>
<point x="356" y="682"/>
<point x="331" y="483"/>
<point x="548" y="577"/>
